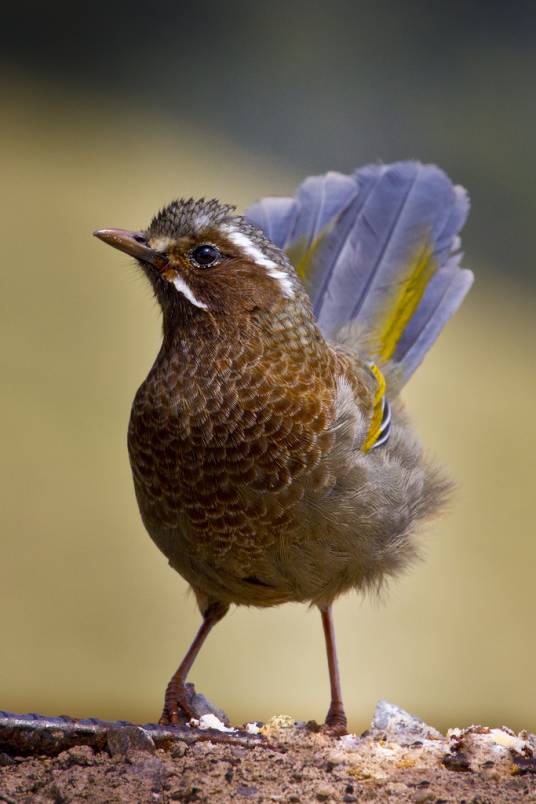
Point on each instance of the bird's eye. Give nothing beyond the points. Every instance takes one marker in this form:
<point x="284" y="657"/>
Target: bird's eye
<point x="205" y="255"/>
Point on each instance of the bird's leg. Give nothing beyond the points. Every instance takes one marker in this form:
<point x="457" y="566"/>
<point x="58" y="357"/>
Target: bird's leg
<point x="178" y="698"/>
<point x="335" y="718"/>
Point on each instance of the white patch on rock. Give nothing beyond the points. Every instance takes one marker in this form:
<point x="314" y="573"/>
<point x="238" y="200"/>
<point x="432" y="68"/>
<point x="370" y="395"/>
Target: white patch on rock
<point x="501" y="737"/>
<point x="349" y="741"/>
<point x="210" y="721"/>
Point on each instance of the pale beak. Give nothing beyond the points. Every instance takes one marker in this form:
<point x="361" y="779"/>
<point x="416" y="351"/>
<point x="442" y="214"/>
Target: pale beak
<point x="132" y="243"/>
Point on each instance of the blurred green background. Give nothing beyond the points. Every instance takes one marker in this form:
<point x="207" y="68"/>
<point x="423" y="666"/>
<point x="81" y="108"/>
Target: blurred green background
<point x="110" y="111"/>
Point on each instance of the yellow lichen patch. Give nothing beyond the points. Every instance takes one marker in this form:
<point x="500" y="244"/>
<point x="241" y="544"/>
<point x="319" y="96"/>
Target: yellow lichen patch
<point x="406" y="762"/>
<point x="357" y="772"/>
<point x="278" y="722"/>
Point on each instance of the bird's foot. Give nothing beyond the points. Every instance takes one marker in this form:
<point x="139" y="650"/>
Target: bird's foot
<point x="178" y="704"/>
<point x="182" y="703"/>
<point x="336" y="723"/>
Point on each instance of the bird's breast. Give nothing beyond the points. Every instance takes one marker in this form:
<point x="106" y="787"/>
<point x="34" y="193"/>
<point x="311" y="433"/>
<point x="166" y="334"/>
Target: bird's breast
<point x="223" y="455"/>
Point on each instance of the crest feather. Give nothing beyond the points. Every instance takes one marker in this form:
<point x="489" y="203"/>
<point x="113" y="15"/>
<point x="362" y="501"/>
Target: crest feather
<point x="184" y="216"/>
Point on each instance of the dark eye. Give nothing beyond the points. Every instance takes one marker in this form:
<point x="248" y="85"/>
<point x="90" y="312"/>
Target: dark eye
<point x="205" y="255"/>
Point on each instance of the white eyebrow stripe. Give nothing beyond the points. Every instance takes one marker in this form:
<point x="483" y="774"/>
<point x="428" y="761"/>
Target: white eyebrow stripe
<point x="183" y="288"/>
<point x="242" y="241"/>
<point x="248" y="247"/>
<point x="283" y="279"/>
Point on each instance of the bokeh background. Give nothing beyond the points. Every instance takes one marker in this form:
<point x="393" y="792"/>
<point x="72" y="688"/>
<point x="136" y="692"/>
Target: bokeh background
<point x="109" y="111"/>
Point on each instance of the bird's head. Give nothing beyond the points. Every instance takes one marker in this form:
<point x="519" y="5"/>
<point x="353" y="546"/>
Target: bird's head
<point x="203" y="260"/>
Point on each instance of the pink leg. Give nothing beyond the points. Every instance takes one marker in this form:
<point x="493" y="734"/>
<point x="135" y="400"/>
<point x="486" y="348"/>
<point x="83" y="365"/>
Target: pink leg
<point x="177" y="697"/>
<point x="336" y="718"/>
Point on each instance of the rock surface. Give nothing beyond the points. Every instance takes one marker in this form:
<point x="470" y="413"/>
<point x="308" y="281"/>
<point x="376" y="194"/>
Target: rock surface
<point x="399" y="759"/>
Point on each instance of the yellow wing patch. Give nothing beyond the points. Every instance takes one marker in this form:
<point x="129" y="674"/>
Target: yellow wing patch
<point x="376" y="421"/>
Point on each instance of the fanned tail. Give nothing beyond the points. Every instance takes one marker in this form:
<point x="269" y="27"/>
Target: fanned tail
<point x="379" y="247"/>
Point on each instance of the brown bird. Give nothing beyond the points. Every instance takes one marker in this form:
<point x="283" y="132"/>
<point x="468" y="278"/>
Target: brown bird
<point x="271" y="455"/>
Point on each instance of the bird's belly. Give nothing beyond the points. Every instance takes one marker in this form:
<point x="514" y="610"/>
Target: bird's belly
<point x="230" y="512"/>
<point x="244" y="550"/>
<point x="243" y="524"/>
<point x="272" y="549"/>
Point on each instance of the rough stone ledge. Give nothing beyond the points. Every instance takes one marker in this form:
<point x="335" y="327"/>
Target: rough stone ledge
<point x="399" y="758"/>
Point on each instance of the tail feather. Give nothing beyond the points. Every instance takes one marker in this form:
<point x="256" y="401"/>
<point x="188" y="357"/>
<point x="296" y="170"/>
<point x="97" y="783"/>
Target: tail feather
<point x="447" y="290"/>
<point x="377" y="247"/>
<point x="276" y="217"/>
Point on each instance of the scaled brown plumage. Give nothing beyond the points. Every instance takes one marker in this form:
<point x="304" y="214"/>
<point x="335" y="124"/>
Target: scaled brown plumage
<point x="245" y="439"/>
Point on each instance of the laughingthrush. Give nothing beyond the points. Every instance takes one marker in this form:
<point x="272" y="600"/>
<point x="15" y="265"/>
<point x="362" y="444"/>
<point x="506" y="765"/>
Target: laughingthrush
<point x="272" y="457"/>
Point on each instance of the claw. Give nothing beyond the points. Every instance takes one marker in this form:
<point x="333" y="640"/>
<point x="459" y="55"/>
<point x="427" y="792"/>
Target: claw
<point x="336" y="722"/>
<point x="178" y="704"/>
<point x="182" y="703"/>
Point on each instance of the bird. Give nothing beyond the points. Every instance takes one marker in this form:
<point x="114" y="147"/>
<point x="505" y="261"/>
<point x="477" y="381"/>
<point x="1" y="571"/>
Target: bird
<point x="272" y="456"/>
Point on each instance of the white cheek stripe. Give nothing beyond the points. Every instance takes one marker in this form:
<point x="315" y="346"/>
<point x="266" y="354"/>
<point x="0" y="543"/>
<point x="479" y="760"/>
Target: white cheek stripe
<point x="183" y="288"/>
<point x="248" y="247"/>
